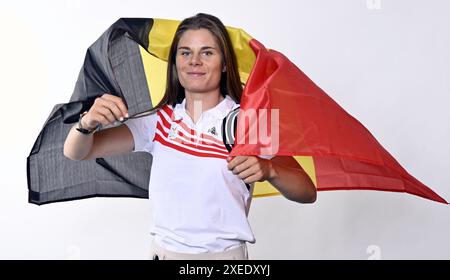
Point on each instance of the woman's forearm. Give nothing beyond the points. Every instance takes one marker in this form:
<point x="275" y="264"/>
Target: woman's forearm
<point x="293" y="183"/>
<point x="283" y="172"/>
<point x="77" y="145"/>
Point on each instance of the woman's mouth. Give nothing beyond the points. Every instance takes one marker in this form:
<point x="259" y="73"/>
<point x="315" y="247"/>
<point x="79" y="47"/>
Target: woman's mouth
<point x="196" y="74"/>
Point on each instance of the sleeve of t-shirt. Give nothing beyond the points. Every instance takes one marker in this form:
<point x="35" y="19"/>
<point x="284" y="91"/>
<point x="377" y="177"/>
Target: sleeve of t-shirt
<point x="143" y="130"/>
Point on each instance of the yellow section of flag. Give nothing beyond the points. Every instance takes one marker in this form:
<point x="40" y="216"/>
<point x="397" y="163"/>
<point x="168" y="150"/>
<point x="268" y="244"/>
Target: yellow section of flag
<point x="266" y="189"/>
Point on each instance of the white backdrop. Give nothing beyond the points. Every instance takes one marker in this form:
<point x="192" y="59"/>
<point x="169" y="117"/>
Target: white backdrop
<point x="386" y="62"/>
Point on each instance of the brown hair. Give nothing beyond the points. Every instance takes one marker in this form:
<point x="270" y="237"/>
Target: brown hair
<point x="230" y="83"/>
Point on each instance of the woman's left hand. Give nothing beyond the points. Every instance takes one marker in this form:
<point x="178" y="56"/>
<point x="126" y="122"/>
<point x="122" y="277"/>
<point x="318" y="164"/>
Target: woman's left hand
<point x="251" y="168"/>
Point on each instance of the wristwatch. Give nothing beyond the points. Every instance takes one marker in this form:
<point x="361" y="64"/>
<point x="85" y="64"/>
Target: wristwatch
<point x="83" y="130"/>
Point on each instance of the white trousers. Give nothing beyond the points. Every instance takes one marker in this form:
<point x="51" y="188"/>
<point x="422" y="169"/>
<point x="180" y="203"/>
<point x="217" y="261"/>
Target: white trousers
<point x="236" y="253"/>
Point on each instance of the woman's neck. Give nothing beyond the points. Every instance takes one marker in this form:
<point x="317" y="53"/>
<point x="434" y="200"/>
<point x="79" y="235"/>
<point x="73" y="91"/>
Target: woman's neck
<point x="197" y="103"/>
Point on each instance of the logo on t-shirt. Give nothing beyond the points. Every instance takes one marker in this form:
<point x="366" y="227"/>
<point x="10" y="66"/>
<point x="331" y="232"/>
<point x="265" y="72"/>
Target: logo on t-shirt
<point x="212" y="130"/>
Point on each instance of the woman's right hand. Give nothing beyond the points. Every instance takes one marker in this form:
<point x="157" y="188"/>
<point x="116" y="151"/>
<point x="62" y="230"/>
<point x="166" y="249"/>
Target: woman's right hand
<point x="106" y="110"/>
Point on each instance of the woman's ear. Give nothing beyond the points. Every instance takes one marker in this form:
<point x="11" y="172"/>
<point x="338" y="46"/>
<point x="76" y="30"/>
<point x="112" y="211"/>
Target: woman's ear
<point x="224" y="68"/>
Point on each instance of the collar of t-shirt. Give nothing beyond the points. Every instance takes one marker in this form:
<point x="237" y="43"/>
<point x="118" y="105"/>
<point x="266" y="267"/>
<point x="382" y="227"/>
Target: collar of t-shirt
<point x="211" y="115"/>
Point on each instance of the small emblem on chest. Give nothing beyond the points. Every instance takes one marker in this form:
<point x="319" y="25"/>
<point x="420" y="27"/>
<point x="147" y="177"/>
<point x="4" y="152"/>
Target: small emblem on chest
<point x="212" y="130"/>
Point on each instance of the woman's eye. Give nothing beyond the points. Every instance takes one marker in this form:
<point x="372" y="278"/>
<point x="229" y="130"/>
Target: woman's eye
<point x="205" y="53"/>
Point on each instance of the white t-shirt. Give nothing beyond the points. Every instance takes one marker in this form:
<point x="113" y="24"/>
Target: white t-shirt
<point x="198" y="204"/>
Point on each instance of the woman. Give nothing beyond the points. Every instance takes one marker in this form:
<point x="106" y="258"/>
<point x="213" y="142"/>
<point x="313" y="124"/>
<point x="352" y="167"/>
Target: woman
<point x="199" y="193"/>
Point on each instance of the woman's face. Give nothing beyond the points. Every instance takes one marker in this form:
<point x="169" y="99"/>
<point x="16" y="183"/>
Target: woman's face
<point x="199" y="61"/>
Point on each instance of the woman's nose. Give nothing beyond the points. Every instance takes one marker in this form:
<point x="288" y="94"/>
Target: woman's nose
<point x="195" y="60"/>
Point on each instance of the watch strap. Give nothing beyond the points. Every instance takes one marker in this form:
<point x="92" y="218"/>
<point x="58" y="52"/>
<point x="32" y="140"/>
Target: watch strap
<point x="84" y="130"/>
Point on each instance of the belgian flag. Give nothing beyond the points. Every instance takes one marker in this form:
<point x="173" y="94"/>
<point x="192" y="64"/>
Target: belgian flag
<point x="130" y="60"/>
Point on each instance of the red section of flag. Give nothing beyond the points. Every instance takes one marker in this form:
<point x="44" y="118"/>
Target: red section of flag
<point x="346" y="155"/>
